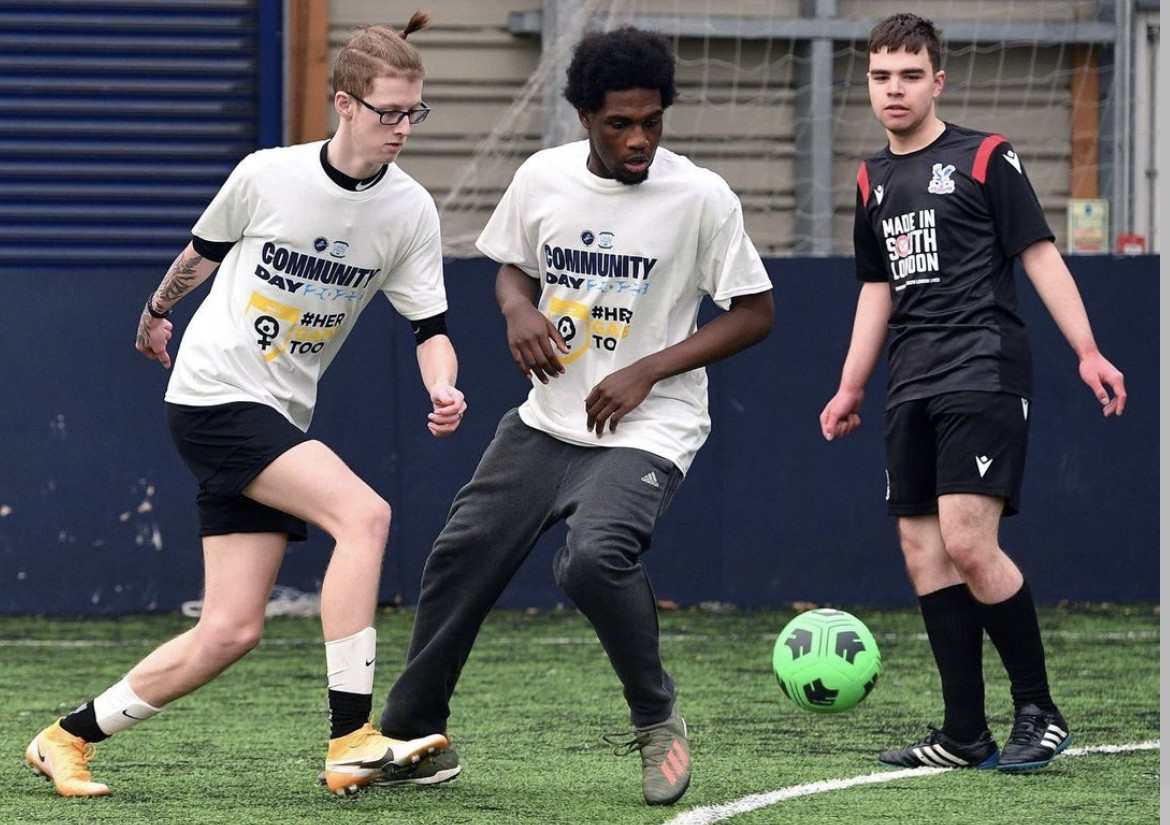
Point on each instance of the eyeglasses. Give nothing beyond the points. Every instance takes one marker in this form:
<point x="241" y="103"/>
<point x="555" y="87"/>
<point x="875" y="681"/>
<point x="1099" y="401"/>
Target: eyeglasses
<point x="392" y="117"/>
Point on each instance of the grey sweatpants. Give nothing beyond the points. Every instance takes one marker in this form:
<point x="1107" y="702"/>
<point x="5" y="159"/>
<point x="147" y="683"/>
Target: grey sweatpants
<point x="527" y="481"/>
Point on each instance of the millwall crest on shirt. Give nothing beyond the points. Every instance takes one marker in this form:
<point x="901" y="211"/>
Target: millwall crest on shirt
<point x="940" y="181"/>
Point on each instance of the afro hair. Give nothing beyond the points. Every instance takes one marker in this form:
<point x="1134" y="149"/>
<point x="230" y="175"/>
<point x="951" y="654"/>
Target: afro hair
<point x="616" y="61"/>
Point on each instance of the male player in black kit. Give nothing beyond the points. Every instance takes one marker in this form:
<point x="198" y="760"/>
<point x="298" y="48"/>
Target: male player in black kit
<point x="942" y="214"/>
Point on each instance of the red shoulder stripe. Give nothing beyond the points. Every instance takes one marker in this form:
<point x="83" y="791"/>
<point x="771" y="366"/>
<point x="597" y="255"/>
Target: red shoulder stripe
<point x="983" y="156"/>
<point x="863" y="182"/>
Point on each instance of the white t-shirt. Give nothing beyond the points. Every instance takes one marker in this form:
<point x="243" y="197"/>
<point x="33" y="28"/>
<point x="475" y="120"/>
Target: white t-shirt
<point x="309" y="256"/>
<point x="623" y="271"/>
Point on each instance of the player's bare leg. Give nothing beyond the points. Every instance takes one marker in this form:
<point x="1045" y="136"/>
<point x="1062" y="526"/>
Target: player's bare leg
<point x="970" y="532"/>
<point x="313" y="483"/>
<point x="970" y="525"/>
<point x="239" y="572"/>
<point x="950" y="614"/>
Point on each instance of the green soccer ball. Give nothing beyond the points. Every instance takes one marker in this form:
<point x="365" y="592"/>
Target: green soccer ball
<point x="826" y="661"/>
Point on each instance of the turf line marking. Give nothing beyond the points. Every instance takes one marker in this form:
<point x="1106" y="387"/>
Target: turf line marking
<point x="709" y="814"/>
<point x="1152" y="745"/>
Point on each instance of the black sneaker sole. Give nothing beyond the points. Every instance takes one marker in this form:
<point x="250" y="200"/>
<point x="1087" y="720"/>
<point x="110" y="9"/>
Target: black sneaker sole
<point x="988" y="764"/>
<point x="437" y="778"/>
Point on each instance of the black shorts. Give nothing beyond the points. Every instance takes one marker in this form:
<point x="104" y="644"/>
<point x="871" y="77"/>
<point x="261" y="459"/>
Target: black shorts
<point x="226" y="446"/>
<point x="960" y="442"/>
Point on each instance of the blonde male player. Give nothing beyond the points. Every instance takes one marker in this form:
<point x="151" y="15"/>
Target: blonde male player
<point x="304" y="237"/>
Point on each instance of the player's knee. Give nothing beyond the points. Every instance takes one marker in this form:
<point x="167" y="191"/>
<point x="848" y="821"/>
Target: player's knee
<point x="227" y="642"/>
<point x="379" y="516"/>
<point x="589" y="567"/>
<point x="570" y="573"/>
<point x="367" y="523"/>
<point x="971" y="557"/>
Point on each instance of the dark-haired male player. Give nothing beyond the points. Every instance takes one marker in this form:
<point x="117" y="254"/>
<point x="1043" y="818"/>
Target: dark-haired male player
<point x="942" y="214"/>
<point x="607" y="247"/>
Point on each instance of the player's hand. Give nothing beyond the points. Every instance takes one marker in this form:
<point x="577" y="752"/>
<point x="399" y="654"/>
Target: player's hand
<point x="840" y="416"/>
<point x="616" y="395"/>
<point x="1098" y="373"/>
<point x="534" y="343"/>
<point x="153" y="336"/>
<point x="449" y="407"/>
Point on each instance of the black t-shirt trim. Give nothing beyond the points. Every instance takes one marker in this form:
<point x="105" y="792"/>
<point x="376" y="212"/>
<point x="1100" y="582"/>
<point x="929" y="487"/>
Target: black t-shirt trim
<point x="345" y="181"/>
<point x="212" y="250"/>
<point x="429" y="327"/>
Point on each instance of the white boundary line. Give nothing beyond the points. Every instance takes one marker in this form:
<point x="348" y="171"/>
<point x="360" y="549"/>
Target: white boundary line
<point x="709" y="814"/>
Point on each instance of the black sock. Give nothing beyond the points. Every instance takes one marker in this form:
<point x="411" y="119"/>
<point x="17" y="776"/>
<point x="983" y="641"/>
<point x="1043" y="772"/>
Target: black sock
<point x="83" y="722"/>
<point x="348" y="712"/>
<point x="951" y="616"/>
<point x="1015" y="632"/>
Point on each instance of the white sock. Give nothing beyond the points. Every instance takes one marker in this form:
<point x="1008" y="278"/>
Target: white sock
<point x="349" y="662"/>
<point x="120" y="708"/>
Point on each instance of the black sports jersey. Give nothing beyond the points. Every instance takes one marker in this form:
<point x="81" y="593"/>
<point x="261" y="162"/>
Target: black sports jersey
<point x="943" y="226"/>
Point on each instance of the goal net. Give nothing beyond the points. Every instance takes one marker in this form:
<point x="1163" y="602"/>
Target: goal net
<point x="777" y="103"/>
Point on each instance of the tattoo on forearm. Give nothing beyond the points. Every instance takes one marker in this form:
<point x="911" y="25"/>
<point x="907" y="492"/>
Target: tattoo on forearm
<point x="143" y="338"/>
<point x="180" y="278"/>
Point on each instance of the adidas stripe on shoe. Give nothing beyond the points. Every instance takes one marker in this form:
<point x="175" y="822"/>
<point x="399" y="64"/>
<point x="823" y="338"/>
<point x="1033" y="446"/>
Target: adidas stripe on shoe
<point x="938" y="750"/>
<point x="666" y="759"/>
<point x="1037" y="737"/>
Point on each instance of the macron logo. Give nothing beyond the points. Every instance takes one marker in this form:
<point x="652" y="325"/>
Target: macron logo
<point x="879" y="192"/>
<point x="1011" y="157"/>
<point x="651" y="479"/>
<point x="983" y="463"/>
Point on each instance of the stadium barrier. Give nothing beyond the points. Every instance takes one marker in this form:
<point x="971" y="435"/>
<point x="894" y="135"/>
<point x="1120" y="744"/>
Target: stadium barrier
<point x="97" y="511"/>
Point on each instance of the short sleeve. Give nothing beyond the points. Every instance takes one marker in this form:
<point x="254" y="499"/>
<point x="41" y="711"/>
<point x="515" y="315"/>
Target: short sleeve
<point x="506" y="237"/>
<point x="1015" y="209"/>
<point x="729" y="263"/>
<point x="415" y="286"/>
<point x="867" y="254"/>
<point x="227" y="216"/>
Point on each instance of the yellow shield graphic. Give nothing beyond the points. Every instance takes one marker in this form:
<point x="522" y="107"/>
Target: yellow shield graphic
<point x="273" y="322"/>
<point x="572" y="321"/>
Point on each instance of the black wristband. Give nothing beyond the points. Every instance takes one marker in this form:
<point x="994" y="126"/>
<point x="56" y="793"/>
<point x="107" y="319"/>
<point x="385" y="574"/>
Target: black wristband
<point x="151" y="311"/>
